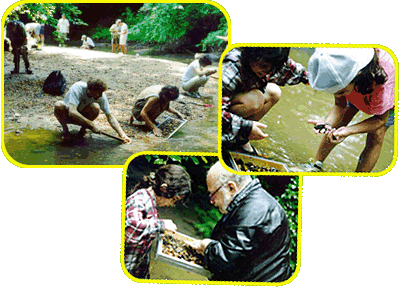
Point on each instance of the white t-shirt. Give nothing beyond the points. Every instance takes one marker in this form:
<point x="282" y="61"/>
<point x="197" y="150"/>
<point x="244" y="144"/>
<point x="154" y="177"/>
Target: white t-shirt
<point x="88" y="42"/>
<point x="190" y="72"/>
<point x="63" y="25"/>
<point x="124" y="28"/>
<point x="77" y="95"/>
<point x="33" y="27"/>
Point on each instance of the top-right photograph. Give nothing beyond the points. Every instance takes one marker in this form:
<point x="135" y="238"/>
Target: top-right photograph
<point x="322" y="110"/>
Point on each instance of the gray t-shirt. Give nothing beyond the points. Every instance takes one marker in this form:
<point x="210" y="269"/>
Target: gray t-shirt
<point x="190" y="71"/>
<point x="77" y="95"/>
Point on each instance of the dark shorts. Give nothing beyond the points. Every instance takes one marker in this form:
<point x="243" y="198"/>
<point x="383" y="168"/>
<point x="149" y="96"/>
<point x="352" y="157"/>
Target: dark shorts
<point x="42" y="29"/>
<point x="391" y="116"/>
<point x="115" y="40"/>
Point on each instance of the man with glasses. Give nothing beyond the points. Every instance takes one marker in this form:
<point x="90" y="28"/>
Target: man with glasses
<point x="251" y="77"/>
<point x="251" y="242"/>
<point x="152" y="102"/>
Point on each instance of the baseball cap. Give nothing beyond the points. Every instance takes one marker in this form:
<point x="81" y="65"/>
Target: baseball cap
<point x="332" y="69"/>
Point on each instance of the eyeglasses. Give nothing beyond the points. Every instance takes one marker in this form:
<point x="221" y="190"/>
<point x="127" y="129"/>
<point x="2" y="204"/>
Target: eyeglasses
<point x="213" y="194"/>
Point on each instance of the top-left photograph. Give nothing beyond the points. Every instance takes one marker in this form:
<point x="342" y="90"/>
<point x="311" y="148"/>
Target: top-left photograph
<point x="94" y="83"/>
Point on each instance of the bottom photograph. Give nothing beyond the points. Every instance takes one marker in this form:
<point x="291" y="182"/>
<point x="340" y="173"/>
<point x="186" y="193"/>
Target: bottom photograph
<point x="186" y="219"/>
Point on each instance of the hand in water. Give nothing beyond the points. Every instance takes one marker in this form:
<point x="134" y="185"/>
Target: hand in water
<point x="256" y="132"/>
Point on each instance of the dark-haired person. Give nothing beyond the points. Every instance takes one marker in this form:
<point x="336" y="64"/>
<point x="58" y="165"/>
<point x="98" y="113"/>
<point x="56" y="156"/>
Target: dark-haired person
<point x="152" y="102"/>
<point x="15" y="32"/>
<point x="251" y="77"/>
<point x="361" y="80"/>
<point x="82" y="105"/>
<point x="165" y="187"/>
<point x="197" y="75"/>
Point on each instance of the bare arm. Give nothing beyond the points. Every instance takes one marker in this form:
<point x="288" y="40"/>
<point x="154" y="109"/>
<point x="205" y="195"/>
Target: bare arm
<point x="152" y="101"/>
<point x="174" y="111"/>
<point x="116" y="126"/>
<point x="205" y="71"/>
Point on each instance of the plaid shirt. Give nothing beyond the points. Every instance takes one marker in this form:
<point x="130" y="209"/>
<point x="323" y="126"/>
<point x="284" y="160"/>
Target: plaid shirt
<point x="237" y="79"/>
<point x="142" y="226"/>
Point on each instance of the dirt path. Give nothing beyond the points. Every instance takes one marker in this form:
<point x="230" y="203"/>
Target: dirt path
<point x="125" y="75"/>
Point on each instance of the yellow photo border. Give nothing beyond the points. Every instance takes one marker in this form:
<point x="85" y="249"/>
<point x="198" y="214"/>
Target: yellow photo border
<point x="11" y="7"/>
<point x="123" y="212"/>
<point x="305" y="45"/>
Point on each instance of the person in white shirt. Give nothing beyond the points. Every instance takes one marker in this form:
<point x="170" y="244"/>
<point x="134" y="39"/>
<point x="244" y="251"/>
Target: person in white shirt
<point x="82" y="105"/>
<point x="63" y="26"/>
<point x="42" y="28"/>
<point x="123" y="35"/>
<point x="87" y="42"/>
<point x="196" y="75"/>
<point x="33" y="29"/>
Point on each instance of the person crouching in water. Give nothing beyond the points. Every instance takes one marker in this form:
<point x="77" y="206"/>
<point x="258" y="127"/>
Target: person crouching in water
<point x="197" y="75"/>
<point x="167" y="186"/>
<point x="360" y="80"/>
<point x="82" y="105"/>
<point x="152" y="102"/>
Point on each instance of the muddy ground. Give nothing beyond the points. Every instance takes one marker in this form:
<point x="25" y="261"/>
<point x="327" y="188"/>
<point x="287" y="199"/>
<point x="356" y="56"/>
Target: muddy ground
<point x="125" y="75"/>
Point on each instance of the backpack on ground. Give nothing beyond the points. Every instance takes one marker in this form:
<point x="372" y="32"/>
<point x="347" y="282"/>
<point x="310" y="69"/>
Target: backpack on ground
<point x="55" y="84"/>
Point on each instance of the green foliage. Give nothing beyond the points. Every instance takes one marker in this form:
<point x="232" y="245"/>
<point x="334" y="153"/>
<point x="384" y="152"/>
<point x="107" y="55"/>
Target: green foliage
<point x="213" y="43"/>
<point x="162" y="23"/>
<point x="290" y="201"/>
<point x="33" y="12"/>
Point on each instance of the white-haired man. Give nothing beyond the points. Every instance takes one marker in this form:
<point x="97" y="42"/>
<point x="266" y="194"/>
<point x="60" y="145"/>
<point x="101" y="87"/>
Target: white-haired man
<point x="251" y="241"/>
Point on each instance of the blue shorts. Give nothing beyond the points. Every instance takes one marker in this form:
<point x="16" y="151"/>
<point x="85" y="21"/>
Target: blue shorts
<point x="391" y="116"/>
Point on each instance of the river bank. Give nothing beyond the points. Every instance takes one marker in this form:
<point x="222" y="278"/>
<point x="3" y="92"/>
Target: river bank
<point x="126" y="76"/>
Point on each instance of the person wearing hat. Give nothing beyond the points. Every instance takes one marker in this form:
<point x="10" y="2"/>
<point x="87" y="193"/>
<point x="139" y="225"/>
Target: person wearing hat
<point x="361" y="80"/>
<point x="123" y="35"/>
<point x="87" y="43"/>
<point x="251" y="77"/>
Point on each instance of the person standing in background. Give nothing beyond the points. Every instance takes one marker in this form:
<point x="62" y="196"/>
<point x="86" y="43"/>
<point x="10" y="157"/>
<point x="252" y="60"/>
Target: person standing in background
<point x="115" y="32"/>
<point x="63" y="27"/>
<point x="123" y="35"/>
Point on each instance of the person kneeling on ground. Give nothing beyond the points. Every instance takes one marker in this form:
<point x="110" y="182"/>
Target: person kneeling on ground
<point x="152" y="102"/>
<point x="197" y="75"/>
<point x="251" y="77"/>
<point x="251" y="241"/>
<point x="167" y="186"/>
<point x="82" y="105"/>
<point x="87" y="42"/>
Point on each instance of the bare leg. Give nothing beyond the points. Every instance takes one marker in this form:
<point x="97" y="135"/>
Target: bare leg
<point x="272" y="96"/>
<point x="61" y="113"/>
<point x="90" y="112"/>
<point x="369" y="157"/>
<point x="253" y="105"/>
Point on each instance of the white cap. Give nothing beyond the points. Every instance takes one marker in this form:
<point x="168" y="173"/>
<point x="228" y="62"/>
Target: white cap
<point x="332" y="69"/>
<point x="83" y="36"/>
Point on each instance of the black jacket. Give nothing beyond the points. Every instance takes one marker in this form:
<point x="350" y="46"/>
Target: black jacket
<point x="251" y="242"/>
